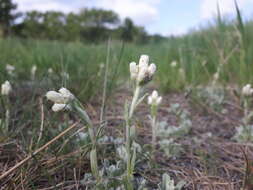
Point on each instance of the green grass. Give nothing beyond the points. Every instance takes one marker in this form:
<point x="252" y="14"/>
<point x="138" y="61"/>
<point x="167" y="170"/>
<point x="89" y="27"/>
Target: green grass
<point x="226" y="43"/>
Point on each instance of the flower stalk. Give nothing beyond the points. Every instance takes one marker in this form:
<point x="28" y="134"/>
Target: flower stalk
<point x="154" y="101"/>
<point x="65" y="100"/>
<point x="140" y="74"/>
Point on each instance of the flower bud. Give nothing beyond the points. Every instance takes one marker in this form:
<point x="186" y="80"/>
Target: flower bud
<point x="151" y="69"/>
<point x="67" y="94"/>
<point x="173" y="64"/>
<point x="133" y="70"/>
<point x="143" y="62"/>
<point x="60" y="99"/>
<point x="56" y="97"/>
<point x="50" y="71"/>
<point x="10" y="69"/>
<point x="247" y="90"/>
<point x="216" y="76"/>
<point x="59" y="107"/>
<point x="143" y="72"/>
<point x="154" y="99"/>
<point x="6" y="88"/>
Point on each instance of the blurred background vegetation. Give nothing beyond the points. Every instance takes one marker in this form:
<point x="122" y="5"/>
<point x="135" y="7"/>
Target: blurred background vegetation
<point x="89" y="25"/>
<point x="77" y="43"/>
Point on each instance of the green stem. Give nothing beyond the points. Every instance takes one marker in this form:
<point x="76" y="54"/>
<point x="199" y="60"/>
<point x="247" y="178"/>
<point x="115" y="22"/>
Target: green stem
<point x="77" y="106"/>
<point x="128" y="140"/>
<point x="134" y="101"/>
<point x="153" y="136"/>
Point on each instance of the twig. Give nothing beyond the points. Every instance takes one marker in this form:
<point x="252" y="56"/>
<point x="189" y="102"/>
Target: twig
<point x="37" y="151"/>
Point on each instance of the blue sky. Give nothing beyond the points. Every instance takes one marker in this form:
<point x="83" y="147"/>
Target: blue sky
<point x="158" y="16"/>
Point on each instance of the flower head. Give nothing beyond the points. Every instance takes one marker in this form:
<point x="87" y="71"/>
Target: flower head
<point x="60" y="99"/>
<point x="10" y="69"/>
<point x="50" y="70"/>
<point x="143" y="72"/>
<point x="6" y="88"/>
<point x="247" y="90"/>
<point x="59" y="107"/>
<point x="154" y="99"/>
<point x="216" y="76"/>
<point x="173" y="64"/>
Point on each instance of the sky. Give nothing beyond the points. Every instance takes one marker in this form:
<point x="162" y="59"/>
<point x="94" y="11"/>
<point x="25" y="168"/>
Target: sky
<point x="166" y="17"/>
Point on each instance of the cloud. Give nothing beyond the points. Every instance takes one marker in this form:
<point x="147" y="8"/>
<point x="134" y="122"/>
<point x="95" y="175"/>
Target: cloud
<point x="209" y="7"/>
<point x="45" y="5"/>
<point x="143" y="12"/>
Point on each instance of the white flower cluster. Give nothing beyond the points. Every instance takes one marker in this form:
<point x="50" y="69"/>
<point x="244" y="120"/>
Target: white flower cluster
<point x="60" y="99"/>
<point x="6" y="88"/>
<point x="143" y="72"/>
<point x="173" y="64"/>
<point x="154" y="99"/>
<point x="10" y="69"/>
<point x="247" y="90"/>
<point x="50" y="70"/>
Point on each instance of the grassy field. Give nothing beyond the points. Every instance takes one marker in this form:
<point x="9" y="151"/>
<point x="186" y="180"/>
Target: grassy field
<point x="200" y="135"/>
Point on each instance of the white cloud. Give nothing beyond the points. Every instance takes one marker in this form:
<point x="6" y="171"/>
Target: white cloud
<point x="143" y="12"/>
<point x="209" y="7"/>
<point x="45" y="5"/>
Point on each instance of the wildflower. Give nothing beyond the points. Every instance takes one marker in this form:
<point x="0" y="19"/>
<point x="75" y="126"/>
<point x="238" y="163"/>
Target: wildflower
<point x="143" y="72"/>
<point x="6" y="88"/>
<point x="10" y="69"/>
<point x="133" y="70"/>
<point x="173" y="64"/>
<point x="154" y="99"/>
<point x="60" y="99"/>
<point x="33" y="71"/>
<point x="216" y="76"/>
<point x="247" y="90"/>
<point x="59" y="107"/>
<point x="101" y="66"/>
<point x="50" y="71"/>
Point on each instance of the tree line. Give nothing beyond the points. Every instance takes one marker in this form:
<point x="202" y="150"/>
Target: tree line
<point x="88" y="25"/>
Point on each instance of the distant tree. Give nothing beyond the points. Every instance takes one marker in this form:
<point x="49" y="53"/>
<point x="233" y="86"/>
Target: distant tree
<point x="7" y="15"/>
<point x="72" y="27"/>
<point x="54" y="25"/>
<point x="33" y="26"/>
<point x="95" y="23"/>
<point x="157" y="38"/>
<point x="98" y="18"/>
<point x="128" y="30"/>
